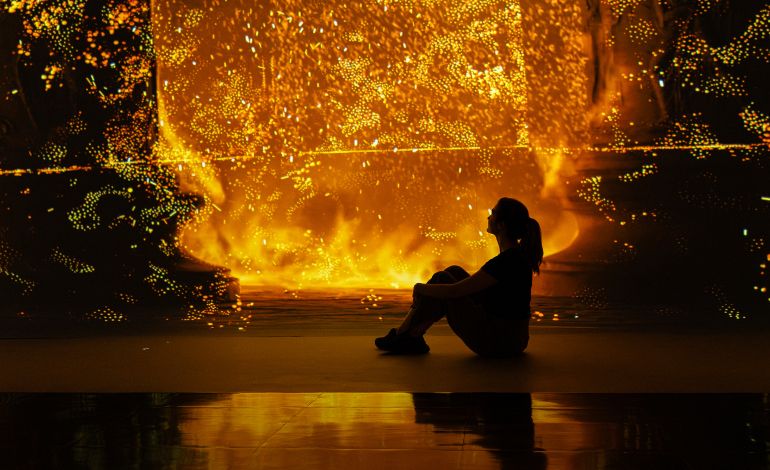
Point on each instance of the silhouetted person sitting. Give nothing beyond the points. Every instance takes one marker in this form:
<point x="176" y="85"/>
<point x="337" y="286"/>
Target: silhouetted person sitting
<point x="488" y="310"/>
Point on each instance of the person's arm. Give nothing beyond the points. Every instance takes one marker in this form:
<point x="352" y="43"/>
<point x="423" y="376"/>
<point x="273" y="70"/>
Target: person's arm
<point x="479" y="281"/>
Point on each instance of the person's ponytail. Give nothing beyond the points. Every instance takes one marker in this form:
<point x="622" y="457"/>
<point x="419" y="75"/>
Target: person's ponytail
<point x="533" y="244"/>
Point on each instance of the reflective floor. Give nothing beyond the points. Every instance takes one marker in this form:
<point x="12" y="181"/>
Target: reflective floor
<point x="344" y="311"/>
<point x="385" y="431"/>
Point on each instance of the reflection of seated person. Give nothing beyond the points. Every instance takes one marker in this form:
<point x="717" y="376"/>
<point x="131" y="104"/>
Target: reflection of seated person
<point x="500" y="423"/>
<point x="488" y="310"/>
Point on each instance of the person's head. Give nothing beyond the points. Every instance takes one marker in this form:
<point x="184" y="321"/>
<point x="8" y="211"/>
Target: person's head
<point x="510" y="219"/>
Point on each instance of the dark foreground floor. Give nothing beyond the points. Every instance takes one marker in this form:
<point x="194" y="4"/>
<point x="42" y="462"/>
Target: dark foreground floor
<point x="385" y="431"/>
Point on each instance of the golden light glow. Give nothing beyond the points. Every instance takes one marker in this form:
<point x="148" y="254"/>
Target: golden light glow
<point x="361" y="145"/>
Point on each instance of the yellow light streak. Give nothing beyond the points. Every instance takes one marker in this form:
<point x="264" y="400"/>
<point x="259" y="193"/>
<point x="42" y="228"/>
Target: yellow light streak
<point x="401" y="152"/>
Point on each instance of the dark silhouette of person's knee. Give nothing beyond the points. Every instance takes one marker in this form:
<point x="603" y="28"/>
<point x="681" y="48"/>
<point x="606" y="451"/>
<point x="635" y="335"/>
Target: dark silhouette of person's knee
<point x="442" y="277"/>
<point x="457" y="272"/>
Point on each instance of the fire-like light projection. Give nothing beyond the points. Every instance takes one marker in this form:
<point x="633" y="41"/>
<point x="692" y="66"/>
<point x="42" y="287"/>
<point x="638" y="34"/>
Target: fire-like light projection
<point x="362" y="144"/>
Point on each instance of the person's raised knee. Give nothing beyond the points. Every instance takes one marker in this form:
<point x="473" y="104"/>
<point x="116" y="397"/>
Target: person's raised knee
<point x="442" y="277"/>
<point x="457" y="272"/>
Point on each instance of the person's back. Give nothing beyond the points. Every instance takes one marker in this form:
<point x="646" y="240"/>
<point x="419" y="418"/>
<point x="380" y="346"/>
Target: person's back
<point x="511" y="296"/>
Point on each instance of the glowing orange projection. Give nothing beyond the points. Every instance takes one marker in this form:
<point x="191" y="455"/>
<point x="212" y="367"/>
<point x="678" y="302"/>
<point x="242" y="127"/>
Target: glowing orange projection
<point x="361" y="144"/>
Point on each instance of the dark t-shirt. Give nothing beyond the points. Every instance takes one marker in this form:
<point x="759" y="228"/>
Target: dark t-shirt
<point x="511" y="295"/>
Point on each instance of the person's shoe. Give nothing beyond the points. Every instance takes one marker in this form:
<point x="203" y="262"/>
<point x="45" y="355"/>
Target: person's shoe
<point x="384" y="342"/>
<point x="402" y="344"/>
<point x="411" y="345"/>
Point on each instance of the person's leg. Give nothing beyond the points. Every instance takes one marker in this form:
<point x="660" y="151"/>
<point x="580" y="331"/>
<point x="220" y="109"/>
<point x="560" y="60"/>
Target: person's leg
<point x="432" y="310"/>
<point x="425" y="310"/>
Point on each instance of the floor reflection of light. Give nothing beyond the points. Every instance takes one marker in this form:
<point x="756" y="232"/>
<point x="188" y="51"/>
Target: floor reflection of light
<point x="390" y="420"/>
<point x="250" y="419"/>
<point x="558" y="430"/>
<point x="239" y="419"/>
